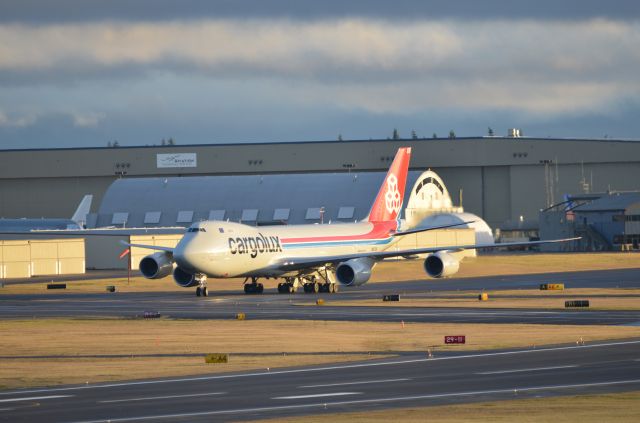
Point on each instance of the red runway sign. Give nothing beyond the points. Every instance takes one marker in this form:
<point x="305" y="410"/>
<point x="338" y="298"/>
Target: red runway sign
<point x="456" y="339"/>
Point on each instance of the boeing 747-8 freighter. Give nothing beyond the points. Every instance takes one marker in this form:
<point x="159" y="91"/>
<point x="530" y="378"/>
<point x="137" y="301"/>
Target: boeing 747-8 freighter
<point x="317" y="257"/>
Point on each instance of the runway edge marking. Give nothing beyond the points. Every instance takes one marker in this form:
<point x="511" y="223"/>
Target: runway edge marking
<point x="320" y="369"/>
<point x="324" y="405"/>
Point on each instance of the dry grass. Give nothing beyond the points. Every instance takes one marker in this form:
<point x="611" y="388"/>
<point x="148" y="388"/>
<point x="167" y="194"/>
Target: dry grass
<point x="512" y="264"/>
<point x="620" y="408"/>
<point x="71" y="338"/>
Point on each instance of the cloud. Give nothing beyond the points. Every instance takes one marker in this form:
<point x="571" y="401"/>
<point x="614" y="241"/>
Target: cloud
<point x="16" y="122"/>
<point x="538" y="67"/>
<point x="87" y="119"/>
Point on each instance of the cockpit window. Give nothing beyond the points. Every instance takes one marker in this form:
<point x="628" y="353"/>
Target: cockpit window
<point x="196" y="230"/>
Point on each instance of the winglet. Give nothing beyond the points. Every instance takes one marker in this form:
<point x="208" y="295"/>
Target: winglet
<point x="389" y="200"/>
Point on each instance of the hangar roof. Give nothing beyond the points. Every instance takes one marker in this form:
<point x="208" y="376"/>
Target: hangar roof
<point x="613" y="202"/>
<point x="252" y="199"/>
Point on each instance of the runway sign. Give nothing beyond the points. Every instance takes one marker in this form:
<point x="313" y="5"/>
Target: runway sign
<point x="391" y="297"/>
<point x="455" y="339"/>
<point x="216" y="358"/>
<point x="111" y="288"/>
<point x="151" y="314"/>
<point x="577" y="303"/>
<point x="240" y="316"/>
<point x="552" y="287"/>
<point x="57" y="286"/>
<point x="319" y="301"/>
<point x="483" y="297"/>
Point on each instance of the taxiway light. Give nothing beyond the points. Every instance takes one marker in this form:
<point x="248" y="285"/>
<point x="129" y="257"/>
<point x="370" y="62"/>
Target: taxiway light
<point x="577" y="303"/>
<point x="391" y="297"/>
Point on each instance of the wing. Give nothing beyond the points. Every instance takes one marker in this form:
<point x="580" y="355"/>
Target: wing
<point x="149" y="247"/>
<point x="100" y="232"/>
<point x="430" y="228"/>
<point x="298" y="263"/>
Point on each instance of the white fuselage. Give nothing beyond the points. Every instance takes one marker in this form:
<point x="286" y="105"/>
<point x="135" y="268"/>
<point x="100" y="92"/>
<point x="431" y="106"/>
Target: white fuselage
<point x="227" y="249"/>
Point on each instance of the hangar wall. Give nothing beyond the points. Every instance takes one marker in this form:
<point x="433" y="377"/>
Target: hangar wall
<point x="36" y="183"/>
<point x="26" y="258"/>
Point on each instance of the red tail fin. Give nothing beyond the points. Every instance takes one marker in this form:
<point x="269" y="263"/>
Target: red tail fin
<point x="391" y="195"/>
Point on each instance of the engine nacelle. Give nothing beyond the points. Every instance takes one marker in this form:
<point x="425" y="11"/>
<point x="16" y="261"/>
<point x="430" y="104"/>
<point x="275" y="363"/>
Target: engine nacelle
<point x="354" y="272"/>
<point x="157" y="265"/>
<point x="184" y="278"/>
<point x="441" y="264"/>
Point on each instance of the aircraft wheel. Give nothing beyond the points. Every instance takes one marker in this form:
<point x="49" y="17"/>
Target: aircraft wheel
<point x="198" y="291"/>
<point x="291" y="288"/>
<point x="259" y="288"/>
<point x="247" y="289"/>
<point x="334" y="286"/>
<point x="306" y="288"/>
<point x="205" y="291"/>
<point x="315" y="287"/>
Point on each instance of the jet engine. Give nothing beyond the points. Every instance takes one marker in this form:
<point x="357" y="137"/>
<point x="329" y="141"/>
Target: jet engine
<point x="184" y="278"/>
<point x="354" y="272"/>
<point x="157" y="265"/>
<point x="441" y="264"/>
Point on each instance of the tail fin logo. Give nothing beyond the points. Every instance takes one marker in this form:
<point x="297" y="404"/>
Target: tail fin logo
<point x="392" y="196"/>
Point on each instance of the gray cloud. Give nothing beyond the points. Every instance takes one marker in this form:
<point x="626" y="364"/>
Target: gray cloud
<point x="539" y="67"/>
<point x="38" y="12"/>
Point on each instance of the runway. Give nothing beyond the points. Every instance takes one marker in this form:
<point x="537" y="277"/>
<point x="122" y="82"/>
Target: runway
<point x="225" y="305"/>
<point x="410" y="381"/>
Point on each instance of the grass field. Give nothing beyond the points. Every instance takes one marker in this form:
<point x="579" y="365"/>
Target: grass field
<point x="619" y="408"/>
<point x="75" y="339"/>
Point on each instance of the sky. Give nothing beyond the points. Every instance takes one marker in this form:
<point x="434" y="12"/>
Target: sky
<point x="85" y="73"/>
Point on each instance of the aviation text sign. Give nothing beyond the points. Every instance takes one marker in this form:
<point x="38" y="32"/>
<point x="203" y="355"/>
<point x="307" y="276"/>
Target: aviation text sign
<point x="177" y="160"/>
<point x="456" y="339"/>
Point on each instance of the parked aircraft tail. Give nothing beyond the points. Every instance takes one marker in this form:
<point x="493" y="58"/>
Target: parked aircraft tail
<point x="80" y="216"/>
<point x="389" y="200"/>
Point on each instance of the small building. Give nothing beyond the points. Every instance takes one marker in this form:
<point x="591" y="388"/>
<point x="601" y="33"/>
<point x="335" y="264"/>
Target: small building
<point x="609" y="221"/>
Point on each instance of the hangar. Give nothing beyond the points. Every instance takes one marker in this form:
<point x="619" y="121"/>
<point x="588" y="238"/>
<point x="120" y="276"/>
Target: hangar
<point x="272" y="200"/>
<point x="501" y="178"/>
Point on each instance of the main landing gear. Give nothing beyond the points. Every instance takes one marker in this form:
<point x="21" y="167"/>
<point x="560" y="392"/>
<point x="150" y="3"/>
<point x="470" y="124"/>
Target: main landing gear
<point x="254" y="287"/>
<point x="201" y="290"/>
<point x="310" y="284"/>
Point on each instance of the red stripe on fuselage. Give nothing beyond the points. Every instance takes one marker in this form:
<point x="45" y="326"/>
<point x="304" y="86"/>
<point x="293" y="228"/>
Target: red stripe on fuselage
<point x="379" y="230"/>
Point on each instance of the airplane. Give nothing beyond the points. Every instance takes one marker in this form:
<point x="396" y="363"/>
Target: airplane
<point x="316" y="257"/>
<point x="77" y="221"/>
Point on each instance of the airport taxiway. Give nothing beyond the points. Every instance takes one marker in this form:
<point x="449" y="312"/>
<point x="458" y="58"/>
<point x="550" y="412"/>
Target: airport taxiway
<point x="408" y="381"/>
<point x="270" y="305"/>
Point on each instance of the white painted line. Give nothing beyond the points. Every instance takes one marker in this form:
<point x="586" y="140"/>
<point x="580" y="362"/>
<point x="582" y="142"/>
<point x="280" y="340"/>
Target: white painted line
<point x="163" y="397"/>
<point x="537" y="369"/>
<point x="330" y="394"/>
<point x="355" y="383"/>
<point x="321" y="369"/>
<point x="324" y="405"/>
<point x="35" y="398"/>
